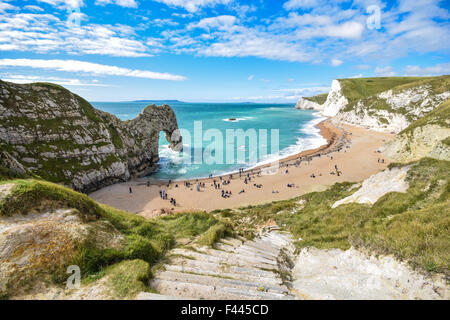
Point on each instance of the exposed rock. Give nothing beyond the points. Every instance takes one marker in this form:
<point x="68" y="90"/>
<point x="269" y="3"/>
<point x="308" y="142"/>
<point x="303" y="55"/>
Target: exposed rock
<point x="425" y="141"/>
<point x="36" y="245"/>
<point x="234" y="269"/>
<point x="351" y="274"/>
<point x="376" y="186"/>
<point x="427" y="137"/>
<point x="335" y="100"/>
<point x="391" y="110"/>
<point x="306" y="104"/>
<point x="59" y="136"/>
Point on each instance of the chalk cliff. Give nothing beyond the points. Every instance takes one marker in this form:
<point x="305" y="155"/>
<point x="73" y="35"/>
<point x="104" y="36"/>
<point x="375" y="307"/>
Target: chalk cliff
<point x="385" y="104"/>
<point x="48" y="131"/>
<point x="426" y="137"/>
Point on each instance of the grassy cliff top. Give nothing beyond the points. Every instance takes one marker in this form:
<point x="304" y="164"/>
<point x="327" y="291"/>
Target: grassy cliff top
<point x="320" y="98"/>
<point x="360" y="88"/>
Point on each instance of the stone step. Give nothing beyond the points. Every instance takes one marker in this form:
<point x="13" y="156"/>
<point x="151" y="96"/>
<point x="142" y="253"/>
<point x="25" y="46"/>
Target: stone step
<point x="263" y="246"/>
<point x="275" y="240"/>
<point x="247" y="257"/>
<point x="233" y="241"/>
<point x="217" y="268"/>
<point x="201" y="291"/>
<point x="217" y="256"/>
<point x="247" y="251"/>
<point x="274" y="243"/>
<point x="220" y="282"/>
<point x="154" y="296"/>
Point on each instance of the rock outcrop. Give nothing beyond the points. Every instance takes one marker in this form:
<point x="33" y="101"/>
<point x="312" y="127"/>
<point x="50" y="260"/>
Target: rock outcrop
<point x="385" y="104"/>
<point x="376" y="186"/>
<point x="427" y="137"/>
<point x="57" y="135"/>
<point x="305" y="104"/>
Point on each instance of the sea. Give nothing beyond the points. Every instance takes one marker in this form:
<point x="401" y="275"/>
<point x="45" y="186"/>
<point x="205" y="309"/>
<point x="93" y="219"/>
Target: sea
<point x="257" y="133"/>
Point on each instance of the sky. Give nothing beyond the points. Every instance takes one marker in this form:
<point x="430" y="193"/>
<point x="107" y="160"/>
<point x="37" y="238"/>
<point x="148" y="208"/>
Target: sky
<point x="219" y="50"/>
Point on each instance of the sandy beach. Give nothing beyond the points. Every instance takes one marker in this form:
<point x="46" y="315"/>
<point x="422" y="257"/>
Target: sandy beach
<point x="353" y="150"/>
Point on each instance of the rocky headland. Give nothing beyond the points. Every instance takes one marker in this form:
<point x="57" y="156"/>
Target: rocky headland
<point x="49" y="132"/>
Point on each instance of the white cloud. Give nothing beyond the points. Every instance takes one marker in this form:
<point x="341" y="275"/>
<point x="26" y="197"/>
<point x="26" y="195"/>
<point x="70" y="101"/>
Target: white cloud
<point x="250" y="77"/>
<point x="6" y="6"/>
<point x="297" y="4"/>
<point x="120" y="3"/>
<point x="44" y="33"/>
<point x="305" y="91"/>
<point x="62" y="4"/>
<point x="221" y="22"/>
<point x="88" y="67"/>
<point x="336" y="62"/>
<point x="439" y="69"/>
<point x="33" y="8"/>
<point x="387" y="71"/>
<point x="193" y="5"/>
<point x="61" y="81"/>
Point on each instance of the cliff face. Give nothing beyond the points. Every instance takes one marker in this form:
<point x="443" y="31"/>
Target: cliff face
<point x="385" y="104"/>
<point x="427" y="137"/>
<point x="52" y="133"/>
<point x="305" y="104"/>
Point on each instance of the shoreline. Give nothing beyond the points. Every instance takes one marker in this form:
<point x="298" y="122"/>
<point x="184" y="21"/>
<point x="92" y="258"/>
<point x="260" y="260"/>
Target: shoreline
<point x="330" y="132"/>
<point x="352" y="149"/>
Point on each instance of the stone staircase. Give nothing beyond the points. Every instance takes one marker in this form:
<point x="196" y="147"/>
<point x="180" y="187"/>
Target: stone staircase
<point x="234" y="269"/>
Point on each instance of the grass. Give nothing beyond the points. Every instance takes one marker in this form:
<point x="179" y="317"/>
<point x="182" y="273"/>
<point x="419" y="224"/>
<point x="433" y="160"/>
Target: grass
<point x="144" y="240"/>
<point x="320" y="98"/>
<point x="128" y="278"/>
<point x="214" y="234"/>
<point x="360" y="88"/>
<point x="413" y="226"/>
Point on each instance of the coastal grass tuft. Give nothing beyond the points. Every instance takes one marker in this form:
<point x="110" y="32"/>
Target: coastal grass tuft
<point x="413" y="226"/>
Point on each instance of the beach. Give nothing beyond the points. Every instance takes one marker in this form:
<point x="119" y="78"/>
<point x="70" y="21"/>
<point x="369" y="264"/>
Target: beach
<point x="352" y="150"/>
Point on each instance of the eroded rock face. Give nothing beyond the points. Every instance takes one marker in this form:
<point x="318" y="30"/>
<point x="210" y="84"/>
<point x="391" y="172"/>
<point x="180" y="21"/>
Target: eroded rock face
<point x="426" y="141"/>
<point x="305" y="104"/>
<point x="335" y="100"/>
<point x="36" y="245"/>
<point x="388" y="111"/>
<point x="55" y="134"/>
<point x="376" y="186"/>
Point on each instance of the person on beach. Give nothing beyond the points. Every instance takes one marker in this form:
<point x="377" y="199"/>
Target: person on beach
<point x="131" y="190"/>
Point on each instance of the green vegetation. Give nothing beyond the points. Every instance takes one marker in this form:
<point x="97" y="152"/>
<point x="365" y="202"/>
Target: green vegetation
<point x="320" y="98"/>
<point x="128" y="278"/>
<point x="360" y="88"/>
<point x="366" y="89"/>
<point x="414" y="226"/>
<point x="439" y="116"/>
<point x="214" y="234"/>
<point x="144" y="240"/>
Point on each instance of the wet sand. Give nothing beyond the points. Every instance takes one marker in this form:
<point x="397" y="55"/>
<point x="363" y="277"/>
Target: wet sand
<point x="352" y="149"/>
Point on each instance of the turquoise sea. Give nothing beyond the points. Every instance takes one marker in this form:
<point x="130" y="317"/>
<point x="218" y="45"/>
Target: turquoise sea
<point x="296" y="132"/>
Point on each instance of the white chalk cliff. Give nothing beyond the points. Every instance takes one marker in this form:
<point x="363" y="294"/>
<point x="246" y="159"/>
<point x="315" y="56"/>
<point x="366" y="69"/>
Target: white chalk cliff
<point x="335" y="100"/>
<point x="389" y="111"/>
<point x="305" y="104"/>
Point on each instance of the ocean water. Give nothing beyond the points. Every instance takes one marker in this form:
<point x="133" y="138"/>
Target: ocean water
<point x="296" y="131"/>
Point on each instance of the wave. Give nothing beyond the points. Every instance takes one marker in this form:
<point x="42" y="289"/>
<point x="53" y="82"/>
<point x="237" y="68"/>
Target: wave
<point x="175" y="165"/>
<point x="237" y="119"/>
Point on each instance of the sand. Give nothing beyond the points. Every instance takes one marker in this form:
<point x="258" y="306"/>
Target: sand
<point x="357" y="160"/>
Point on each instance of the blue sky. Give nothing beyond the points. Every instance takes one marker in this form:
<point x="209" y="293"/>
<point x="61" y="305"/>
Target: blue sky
<point x="218" y="50"/>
